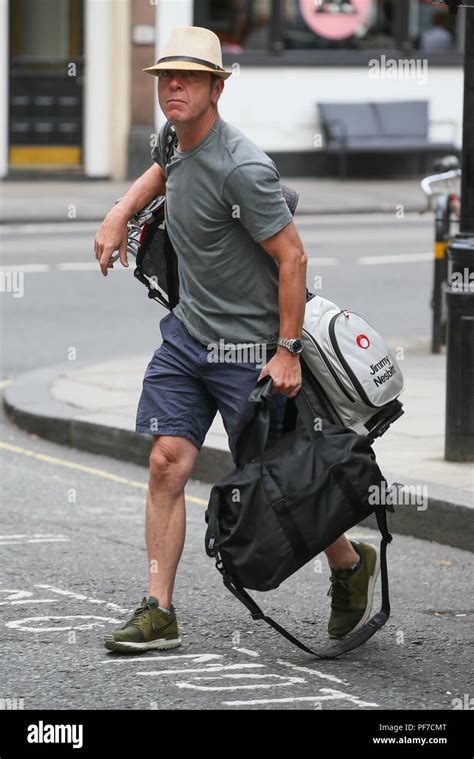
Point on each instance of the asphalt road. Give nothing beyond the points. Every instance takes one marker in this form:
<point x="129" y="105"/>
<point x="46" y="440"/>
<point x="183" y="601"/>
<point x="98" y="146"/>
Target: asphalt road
<point x="379" y="266"/>
<point x="74" y="566"/>
<point x="73" y="556"/>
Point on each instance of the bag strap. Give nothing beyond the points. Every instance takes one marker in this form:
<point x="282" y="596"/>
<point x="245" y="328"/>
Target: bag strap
<point x="261" y="395"/>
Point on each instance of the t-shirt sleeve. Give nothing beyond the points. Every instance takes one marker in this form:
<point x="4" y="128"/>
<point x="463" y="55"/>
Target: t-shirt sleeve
<point x="255" y="198"/>
<point x="157" y="150"/>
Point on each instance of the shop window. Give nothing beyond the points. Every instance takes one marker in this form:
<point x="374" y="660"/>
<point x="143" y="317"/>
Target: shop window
<point x="433" y="29"/>
<point x="240" y="24"/>
<point x="346" y="24"/>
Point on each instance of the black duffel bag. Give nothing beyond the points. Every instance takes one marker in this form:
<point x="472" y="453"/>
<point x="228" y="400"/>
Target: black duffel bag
<point x="282" y="506"/>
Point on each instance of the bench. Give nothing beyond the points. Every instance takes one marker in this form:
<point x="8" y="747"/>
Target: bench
<point x="383" y="127"/>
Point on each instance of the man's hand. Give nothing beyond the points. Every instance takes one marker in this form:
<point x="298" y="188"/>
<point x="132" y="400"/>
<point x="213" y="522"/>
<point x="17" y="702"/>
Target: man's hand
<point x="285" y="371"/>
<point x="112" y="235"/>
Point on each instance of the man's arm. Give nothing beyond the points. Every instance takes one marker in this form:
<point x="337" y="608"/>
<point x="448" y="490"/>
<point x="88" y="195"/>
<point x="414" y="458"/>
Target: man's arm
<point x="112" y="234"/>
<point x="286" y="248"/>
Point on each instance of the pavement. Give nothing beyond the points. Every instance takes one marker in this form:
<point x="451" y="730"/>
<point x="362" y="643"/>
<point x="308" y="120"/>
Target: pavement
<point x="92" y="406"/>
<point x="49" y="201"/>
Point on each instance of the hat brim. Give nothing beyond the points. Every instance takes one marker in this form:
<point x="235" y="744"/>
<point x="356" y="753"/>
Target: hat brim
<point x="185" y="66"/>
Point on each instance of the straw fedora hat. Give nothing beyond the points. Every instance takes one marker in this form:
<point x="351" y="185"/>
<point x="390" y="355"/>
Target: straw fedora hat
<point x="191" y="48"/>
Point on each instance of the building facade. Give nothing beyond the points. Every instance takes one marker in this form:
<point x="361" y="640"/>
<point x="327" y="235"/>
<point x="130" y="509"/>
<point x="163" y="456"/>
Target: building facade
<point x="74" y="99"/>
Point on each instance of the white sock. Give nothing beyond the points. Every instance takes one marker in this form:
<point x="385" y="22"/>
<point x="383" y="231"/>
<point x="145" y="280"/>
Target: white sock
<point x="355" y="565"/>
<point x="167" y="611"/>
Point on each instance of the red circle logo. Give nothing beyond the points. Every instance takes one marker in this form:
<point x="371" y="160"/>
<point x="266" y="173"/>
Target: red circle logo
<point x="363" y="341"/>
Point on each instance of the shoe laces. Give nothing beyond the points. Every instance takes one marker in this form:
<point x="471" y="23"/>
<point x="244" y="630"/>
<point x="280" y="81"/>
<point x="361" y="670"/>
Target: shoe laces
<point x="338" y="583"/>
<point x="144" y="608"/>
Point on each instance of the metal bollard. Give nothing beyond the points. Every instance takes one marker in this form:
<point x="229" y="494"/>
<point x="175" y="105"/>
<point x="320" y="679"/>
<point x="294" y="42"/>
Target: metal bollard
<point x="459" y="441"/>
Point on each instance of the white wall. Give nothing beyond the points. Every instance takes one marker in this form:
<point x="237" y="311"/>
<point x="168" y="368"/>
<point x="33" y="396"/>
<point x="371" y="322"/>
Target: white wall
<point x="276" y="107"/>
<point x="119" y="74"/>
<point x="97" y="112"/>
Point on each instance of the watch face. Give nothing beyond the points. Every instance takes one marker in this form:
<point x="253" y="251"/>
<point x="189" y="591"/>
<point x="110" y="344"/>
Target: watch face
<point x="297" y="346"/>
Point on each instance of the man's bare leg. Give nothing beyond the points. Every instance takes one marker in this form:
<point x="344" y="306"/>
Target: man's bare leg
<point x="341" y="554"/>
<point x="171" y="462"/>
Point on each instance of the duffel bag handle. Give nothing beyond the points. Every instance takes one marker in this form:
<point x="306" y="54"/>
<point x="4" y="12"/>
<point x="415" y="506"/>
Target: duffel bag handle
<point x="262" y="390"/>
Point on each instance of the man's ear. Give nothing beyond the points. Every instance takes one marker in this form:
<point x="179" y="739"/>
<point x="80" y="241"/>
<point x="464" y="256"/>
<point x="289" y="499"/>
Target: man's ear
<point x="217" y="90"/>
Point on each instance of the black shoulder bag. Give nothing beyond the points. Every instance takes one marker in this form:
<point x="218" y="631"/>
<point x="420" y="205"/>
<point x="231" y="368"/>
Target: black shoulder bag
<point x="282" y="506"/>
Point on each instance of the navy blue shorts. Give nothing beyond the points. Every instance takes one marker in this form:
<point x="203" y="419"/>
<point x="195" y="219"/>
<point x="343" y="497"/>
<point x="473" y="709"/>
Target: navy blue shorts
<point x="183" y="390"/>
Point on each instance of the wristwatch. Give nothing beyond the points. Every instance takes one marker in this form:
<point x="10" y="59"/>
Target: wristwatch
<point x="295" y="346"/>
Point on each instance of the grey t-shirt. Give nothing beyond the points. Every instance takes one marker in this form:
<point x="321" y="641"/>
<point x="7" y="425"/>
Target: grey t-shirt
<point x="223" y="197"/>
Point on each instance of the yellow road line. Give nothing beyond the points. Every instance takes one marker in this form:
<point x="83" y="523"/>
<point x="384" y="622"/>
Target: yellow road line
<point x="86" y="469"/>
<point x="4" y="383"/>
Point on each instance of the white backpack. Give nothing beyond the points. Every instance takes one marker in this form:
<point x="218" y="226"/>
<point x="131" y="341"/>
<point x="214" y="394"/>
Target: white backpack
<point x="353" y="365"/>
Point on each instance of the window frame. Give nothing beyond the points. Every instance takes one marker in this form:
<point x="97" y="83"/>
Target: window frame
<point x="277" y="55"/>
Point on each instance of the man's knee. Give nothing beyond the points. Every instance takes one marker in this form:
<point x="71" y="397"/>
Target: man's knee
<point x="172" y="459"/>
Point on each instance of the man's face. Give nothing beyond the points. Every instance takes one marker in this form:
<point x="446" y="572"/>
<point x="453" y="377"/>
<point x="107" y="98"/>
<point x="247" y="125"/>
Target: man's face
<point x="185" y="96"/>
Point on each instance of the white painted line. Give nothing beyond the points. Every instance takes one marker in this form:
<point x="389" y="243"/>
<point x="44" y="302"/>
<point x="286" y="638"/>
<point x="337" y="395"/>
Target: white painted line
<point x="13" y="543"/>
<point x="254" y="686"/>
<point x="289" y="700"/>
<point x="323" y="262"/>
<point x="197" y="658"/>
<point x="79" y="266"/>
<point x="48" y="228"/>
<point x="81" y="597"/>
<point x="212" y="668"/>
<point x="33" y="535"/>
<point x="26" y="268"/>
<point x="249" y="676"/>
<point x="349" y="696"/>
<point x="48" y="540"/>
<point x="20" y="624"/>
<point x="334" y="696"/>
<point x="309" y="671"/>
<point x="31" y="601"/>
<point x="89" y="266"/>
<point x="34" y="540"/>
<point x="246" y="651"/>
<point x="396" y="258"/>
<point x="69" y="266"/>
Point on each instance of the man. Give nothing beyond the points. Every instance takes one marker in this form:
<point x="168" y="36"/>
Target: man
<point x="242" y="271"/>
<point x="436" y="39"/>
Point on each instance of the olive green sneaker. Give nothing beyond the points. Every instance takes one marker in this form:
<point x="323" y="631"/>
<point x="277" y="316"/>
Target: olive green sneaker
<point x="352" y="592"/>
<point x="148" y="628"/>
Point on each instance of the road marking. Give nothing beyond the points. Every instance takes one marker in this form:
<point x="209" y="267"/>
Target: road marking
<point x="81" y="597"/>
<point x="79" y="266"/>
<point x="211" y="668"/>
<point x="197" y="658"/>
<point x="26" y="268"/>
<point x="69" y="266"/>
<point x="20" y="624"/>
<point x="87" y="469"/>
<point x="333" y="696"/>
<point x="86" y="266"/>
<point x="30" y="601"/>
<point x="34" y="535"/>
<point x="396" y="258"/>
<point x="323" y="262"/>
<point x="245" y="651"/>
<point x="310" y="671"/>
<point x="34" y="229"/>
<point x="34" y="540"/>
<point x="253" y="686"/>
